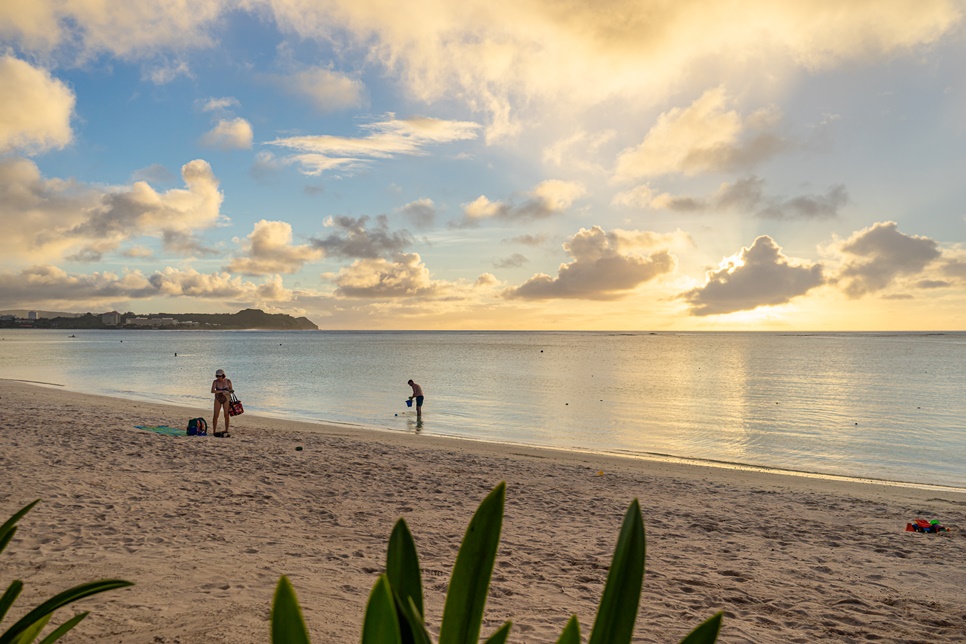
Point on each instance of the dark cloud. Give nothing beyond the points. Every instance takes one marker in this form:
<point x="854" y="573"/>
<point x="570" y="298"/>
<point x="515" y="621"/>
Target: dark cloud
<point x="355" y="239"/>
<point x="762" y="276"/>
<point x="604" y="267"/>
<point x="880" y="255"/>
<point x="807" y="206"/>
<point x="421" y="212"/>
<point x="515" y="260"/>
<point x="528" y="240"/>
<point x="748" y="195"/>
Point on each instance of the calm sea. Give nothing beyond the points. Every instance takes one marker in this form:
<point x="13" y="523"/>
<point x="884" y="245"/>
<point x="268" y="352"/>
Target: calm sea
<point x="883" y="406"/>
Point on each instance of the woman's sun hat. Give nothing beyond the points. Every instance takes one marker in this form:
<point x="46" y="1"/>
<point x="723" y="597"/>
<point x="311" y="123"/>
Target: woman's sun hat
<point x="220" y="372"/>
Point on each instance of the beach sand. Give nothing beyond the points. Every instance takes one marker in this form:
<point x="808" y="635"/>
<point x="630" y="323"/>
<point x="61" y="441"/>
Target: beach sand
<point x="206" y="526"/>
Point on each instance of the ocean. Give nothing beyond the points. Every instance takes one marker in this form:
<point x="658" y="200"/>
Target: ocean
<point x="885" y="406"/>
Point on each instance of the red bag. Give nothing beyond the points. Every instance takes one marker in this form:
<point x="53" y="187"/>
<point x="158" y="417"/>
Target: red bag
<point x="235" y="406"/>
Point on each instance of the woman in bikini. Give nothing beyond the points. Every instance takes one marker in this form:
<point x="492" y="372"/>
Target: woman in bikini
<point x="221" y="387"/>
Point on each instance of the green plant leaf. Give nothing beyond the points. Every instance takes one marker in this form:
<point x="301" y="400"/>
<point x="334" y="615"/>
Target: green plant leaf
<point x="288" y="627"/>
<point x="8" y="529"/>
<point x="500" y="636"/>
<point x="402" y="566"/>
<point x="412" y="628"/>
<point x="622" y="593"/>
<point x="57" y="601"/>
<point x="30" y="633"/>
<point x="466" y="596"/>
<point x="61" y="630"/>
<point x="9" y="597"/>
<point x="571" y="632"/>
<point x="706" y="633"/>
<point x="381" y="625"/>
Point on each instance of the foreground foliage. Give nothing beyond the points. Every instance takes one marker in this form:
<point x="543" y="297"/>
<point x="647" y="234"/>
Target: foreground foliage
<point x="28" y="628"/>
<point x="394" y="613"/>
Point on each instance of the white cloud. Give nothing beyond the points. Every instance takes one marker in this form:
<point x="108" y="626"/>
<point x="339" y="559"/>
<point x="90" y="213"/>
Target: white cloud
<point x="47" y="286"/>
<point x="404" y="276"/>
<point x="214" y="104"/>
<point x="757" y="276"/>
<point x="325" y="89"/>
<point x="387" y="139"/>
<point x="548" y="198"/>
<point x="234" y="134"/>
<point x="605" y="266"/>
<point x="166" y="71"/>
<point x="36" y="108"/>
<point x="498" y="55"/>
<point x="270" y="250"/>
<point x="707" y="136"/>
<point x="45" y="219"/>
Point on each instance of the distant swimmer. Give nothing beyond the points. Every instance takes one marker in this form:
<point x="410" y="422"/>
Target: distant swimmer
<point x="418" y="395"/>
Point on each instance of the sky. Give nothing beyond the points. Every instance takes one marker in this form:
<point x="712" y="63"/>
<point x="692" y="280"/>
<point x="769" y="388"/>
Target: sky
<point x="497" y="164"/>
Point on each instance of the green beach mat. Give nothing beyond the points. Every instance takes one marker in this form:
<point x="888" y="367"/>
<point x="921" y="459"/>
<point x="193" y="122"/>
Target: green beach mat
<point x="163" y="429"/>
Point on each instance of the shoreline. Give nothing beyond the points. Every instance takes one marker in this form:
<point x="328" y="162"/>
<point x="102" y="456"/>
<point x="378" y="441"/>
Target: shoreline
<point x="206" y="526"/>
<point x="325" y="425"/>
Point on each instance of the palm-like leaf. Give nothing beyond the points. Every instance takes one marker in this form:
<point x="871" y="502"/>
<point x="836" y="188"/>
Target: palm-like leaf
<point x="468" y="587"/>
<point x="288" y="627"/>
<point x="706" y="633"/>
<point x="381" y="625"/>
<point x="622" y="593"/>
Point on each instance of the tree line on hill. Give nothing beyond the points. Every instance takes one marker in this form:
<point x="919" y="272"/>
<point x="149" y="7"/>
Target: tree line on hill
<point x="246" y="319"/>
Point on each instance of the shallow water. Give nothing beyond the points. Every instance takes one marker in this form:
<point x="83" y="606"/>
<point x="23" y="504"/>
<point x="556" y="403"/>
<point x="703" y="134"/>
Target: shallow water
<point x="884" y="406"/>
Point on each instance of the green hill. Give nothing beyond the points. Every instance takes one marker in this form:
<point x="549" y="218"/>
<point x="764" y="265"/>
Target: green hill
<point x="247" y="319"/>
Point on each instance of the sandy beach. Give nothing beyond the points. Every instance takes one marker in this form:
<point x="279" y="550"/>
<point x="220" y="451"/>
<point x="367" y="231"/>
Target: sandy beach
<point x="205" y="527"/>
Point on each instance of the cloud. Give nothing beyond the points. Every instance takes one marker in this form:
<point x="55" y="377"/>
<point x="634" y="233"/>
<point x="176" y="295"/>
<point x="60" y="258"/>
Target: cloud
<point x="605" y="266"/>
<point x="515" y="260"/>
<point x="131" y="31"/>
<point x="167" y="71"/>
<point x="139" y="210"/>
<point x="879" y="255"/>
<point x="49" y="218"/>
<point x="44" y="286"/>
<point x="548" y="198"/>
<point x="758" y="276"/>
<point x="404" y="276"/>
<point x="355" y="238"/>
<point x="421" y="212"/>
<point x="36" y="109"/>
<point x="234" y="134"/>
<point x="387" y="139"/>
<point x="745" y="195"/>
<point x="325" y="89"/>
<point x="500" y="55"/>
<point x="497" y="56"/>
<point x="707" y="136"/>
<point x="529" y="240"/>
<point x="214" y="104"/>
<point x="270" y="250"/>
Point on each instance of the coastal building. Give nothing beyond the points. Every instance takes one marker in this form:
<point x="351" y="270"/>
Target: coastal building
<point x="111" y="319"/>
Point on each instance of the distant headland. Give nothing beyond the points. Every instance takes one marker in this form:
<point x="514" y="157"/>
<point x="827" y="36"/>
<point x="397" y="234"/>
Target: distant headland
<point x="246" y="319"/>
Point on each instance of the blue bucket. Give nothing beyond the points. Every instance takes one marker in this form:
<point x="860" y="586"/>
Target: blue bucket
<point x="409" y="403"/>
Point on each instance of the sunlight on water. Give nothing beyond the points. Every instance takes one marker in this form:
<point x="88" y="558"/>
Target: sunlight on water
<point x="888" y="406"/>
